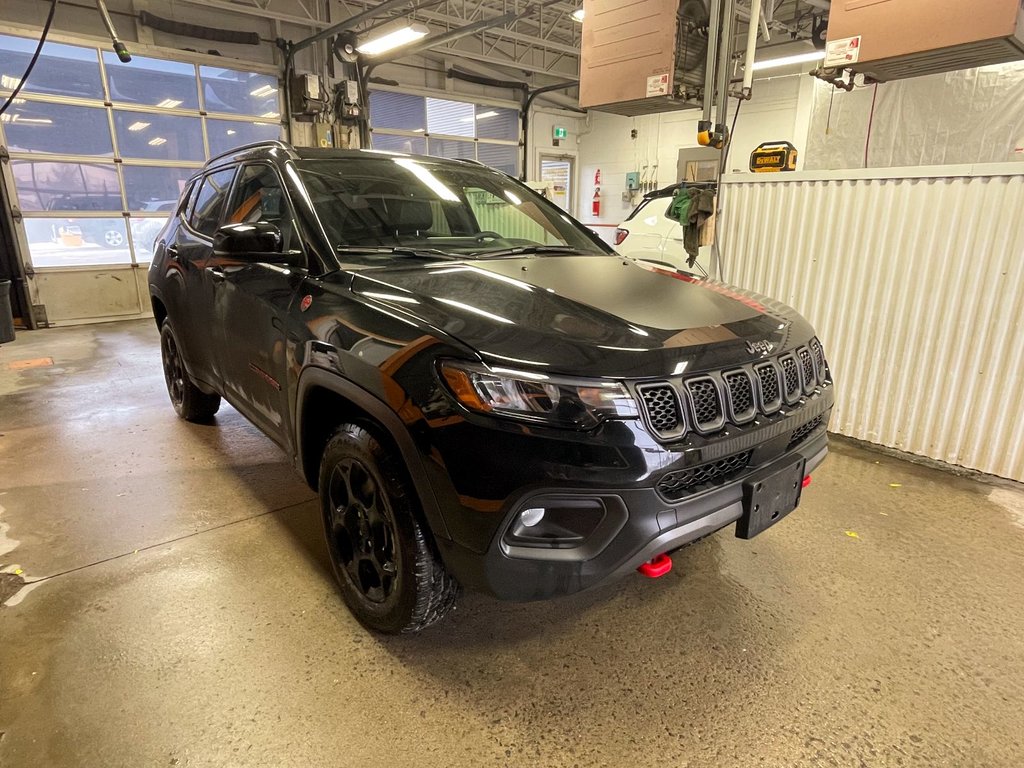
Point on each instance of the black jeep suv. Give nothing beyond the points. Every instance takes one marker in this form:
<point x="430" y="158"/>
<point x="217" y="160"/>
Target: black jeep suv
<point x="483" y="393"/>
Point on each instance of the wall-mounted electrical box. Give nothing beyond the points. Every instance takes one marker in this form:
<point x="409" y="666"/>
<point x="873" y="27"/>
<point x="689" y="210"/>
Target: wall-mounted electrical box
<point x="639" y="57"/>
<point x="633" y="181"/>
<point x="307" y="93"/>
<point x="895" y="39"/>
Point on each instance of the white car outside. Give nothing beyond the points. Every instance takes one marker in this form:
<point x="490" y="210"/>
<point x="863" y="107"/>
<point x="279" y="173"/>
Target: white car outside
<point x="649" y="234"/>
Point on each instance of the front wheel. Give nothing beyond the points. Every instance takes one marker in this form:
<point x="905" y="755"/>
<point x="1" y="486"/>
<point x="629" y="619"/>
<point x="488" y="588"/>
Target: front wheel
<point x="390" y="577"/>
<point x="190" y="402"/>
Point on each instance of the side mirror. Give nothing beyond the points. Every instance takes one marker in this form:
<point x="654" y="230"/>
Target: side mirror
<point x="252" y="242"/>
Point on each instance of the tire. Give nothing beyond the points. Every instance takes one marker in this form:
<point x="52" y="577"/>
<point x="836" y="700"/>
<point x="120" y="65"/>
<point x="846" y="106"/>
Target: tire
<point x="190" y="402"/>
<point x="113" y="238"/>
<point x="390" y="576"/>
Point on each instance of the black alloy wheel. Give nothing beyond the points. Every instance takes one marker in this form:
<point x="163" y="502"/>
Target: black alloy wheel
<point x="362" y="531"/>
<point x="189" y="401"/>
<point x="381" y="551"/>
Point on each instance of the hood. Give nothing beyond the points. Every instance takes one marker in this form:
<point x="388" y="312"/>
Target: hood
<point x="596" y="316"/>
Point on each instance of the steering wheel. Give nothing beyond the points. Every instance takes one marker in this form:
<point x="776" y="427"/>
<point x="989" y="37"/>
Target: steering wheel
<point x="486" y="235"/>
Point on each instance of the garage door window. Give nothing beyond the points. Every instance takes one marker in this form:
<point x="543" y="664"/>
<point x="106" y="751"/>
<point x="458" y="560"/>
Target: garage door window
<point x="100" y="150"/>
<point x="403" y="122"/>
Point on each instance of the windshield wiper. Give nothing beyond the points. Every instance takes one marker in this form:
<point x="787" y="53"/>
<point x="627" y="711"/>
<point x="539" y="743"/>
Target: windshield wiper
<point x="387" y="250"/>
<point x="522" y="250"/>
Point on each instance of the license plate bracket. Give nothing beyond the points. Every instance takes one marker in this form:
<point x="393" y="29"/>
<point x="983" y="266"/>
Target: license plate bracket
<point x="770" y="495"/>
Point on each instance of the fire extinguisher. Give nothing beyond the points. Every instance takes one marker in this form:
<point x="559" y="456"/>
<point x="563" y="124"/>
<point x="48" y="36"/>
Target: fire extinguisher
<point x="596" y="206"/>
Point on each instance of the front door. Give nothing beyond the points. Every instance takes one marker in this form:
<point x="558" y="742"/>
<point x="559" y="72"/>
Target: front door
<point x="251" y="302"/>
<point x="557" y="173"/>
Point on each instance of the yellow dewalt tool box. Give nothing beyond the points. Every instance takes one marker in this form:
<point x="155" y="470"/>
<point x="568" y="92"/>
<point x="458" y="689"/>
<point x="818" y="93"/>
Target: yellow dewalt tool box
<point x="773" y="156"/>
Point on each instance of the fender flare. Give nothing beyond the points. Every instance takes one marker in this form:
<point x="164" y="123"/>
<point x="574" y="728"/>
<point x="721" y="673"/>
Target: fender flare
<point x="386" y="418"/>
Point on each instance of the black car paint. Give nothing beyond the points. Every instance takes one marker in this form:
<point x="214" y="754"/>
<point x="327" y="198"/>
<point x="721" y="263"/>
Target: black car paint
<point x="270" y="336"/>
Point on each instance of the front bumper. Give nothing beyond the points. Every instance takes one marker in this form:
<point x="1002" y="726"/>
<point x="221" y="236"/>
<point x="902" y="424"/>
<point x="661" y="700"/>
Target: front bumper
<point x="639" y="524"/>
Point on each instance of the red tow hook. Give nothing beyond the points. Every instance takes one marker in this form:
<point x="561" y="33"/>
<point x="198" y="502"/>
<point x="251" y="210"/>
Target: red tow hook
<point x="657" y="567"/>
<point x="807" y="481"/>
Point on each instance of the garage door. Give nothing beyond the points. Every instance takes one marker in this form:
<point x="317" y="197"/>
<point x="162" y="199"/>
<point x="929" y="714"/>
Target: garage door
<point x="99" y="151"/>
<point x="405" y="122"/>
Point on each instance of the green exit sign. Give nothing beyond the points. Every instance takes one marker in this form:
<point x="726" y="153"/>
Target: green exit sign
<point x="561" y="133"/>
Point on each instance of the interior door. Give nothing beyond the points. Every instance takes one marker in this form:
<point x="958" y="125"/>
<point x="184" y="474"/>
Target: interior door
<point x="251" y="301"/>
<point x="557" y="173"/>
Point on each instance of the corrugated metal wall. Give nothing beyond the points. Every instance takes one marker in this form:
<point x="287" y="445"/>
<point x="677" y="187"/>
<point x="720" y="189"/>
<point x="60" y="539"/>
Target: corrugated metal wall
<point x="916" y="287"/>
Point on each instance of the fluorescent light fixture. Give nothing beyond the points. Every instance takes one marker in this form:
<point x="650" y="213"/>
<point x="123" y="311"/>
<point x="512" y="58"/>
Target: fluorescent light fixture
<point x="420" y="130"/>
<point x="577" y="15"/>
<point x="785" y="61"/>
<point x="169" y="104"/>
<point x="396" y="38"/>
<point x="6" y="81"/>
<point x="138" y="125"/>
<point x="231" y="131"/>
<point x="21" y="119"/>
<point x="481" y="116"/>
<point x="271" y="114"/>
<point x="435" y="184"/>
<point x="263" y="90"/>
<point x="157" y="141"/>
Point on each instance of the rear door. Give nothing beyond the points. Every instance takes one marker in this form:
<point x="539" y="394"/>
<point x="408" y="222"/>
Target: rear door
<point x="188" y="292"/>
<point x="251" y="301"/>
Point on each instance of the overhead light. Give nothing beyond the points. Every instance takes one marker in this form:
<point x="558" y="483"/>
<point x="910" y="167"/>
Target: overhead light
<point x="396" y="38"/>
<point x="231" y="131"/>
<point x="169" y="103"/>
<point x="785" y="61"/>
<point x="138" y="125"/>
<point x="271" y="114"/>
<point x="481" y="116"/>
<point x="157" y="141"/>
<point x="262" y="91"/>
<point x="20" y="119"/>
<point x="420" y="130"/>
<point x="6" y="81"/>
<point x="577" y="15"/>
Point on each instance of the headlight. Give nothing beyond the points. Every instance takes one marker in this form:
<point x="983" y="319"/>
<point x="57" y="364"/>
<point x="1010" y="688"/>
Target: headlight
<point x="554" y="400"/>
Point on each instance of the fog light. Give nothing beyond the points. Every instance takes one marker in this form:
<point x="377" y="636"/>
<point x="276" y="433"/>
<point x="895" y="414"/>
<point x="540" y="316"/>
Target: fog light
<point x="530" y="517"/>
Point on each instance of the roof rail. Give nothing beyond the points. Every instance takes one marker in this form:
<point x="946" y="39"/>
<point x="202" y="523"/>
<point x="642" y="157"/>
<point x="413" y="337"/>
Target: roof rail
<point x="268" y="144"/>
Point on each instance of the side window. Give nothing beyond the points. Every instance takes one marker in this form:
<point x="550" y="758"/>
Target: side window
<point x="206" y="210"/>
<point x="258" y="196"/>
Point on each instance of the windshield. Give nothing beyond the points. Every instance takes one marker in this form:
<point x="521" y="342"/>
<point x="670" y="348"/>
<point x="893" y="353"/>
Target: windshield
<point x="419" y="206"/>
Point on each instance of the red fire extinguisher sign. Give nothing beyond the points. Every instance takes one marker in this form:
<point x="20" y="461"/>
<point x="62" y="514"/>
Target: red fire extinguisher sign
<point x="597" y="178"/>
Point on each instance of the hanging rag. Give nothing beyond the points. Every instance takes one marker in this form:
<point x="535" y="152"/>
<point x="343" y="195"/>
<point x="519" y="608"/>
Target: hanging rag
<point x="680" y="208"/>
<point x="702" y="205"/>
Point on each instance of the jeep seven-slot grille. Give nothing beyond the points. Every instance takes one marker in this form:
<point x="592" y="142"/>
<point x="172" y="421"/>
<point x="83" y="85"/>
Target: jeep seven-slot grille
<point x="706" y="402"/>
<point x="675" y="485"/>
<point x="706" y="405"/>
<point x="807" y="366"/>
<point x="768" y="378"/>
<point x="790" y="377"/>
<point x="819" y="360"/>
<point x="662" y="408"/>
<point x="741" y="396"/>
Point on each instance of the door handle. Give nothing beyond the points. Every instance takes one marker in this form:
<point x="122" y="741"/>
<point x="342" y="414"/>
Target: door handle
<point x="217" y="273"/>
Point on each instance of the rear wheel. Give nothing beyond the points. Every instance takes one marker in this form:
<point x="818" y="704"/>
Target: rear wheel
<point x="390" y="577"/>
<point x="190" y="402"/>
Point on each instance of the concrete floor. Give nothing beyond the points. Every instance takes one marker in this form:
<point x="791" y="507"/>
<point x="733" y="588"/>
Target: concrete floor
<point x="185" y="615"/>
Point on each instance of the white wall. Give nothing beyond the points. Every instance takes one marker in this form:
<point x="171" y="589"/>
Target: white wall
<point x="605" y="143"/>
